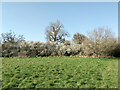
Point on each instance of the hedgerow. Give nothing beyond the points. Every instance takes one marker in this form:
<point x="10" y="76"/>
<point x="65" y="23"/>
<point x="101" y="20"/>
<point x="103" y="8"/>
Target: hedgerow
<point x="100" y="42"/>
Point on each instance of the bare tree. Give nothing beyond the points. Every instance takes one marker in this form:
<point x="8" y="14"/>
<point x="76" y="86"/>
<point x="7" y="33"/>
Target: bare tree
<point x="11" y="37"/>
<point x="101" y="42"/>
<point x="55" y="32"/>
<point x="79" y="38"/>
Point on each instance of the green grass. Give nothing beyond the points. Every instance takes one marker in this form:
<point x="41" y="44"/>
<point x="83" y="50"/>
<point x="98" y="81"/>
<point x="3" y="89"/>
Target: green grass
<point x="59" y="72"/>
<point x="0" y="73"/>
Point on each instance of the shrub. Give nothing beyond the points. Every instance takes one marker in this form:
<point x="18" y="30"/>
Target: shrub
<point x="116" y="51"/>
<point x="100" y="42"/>
<point x="38" y="48"/>
<point x="52" y="48"/>
<point x="87" y="48"/>
<point x="0" y="50"/>
<point x="75" y="49"/>
<point x="10" y="44"/>
<point x="9" y="49"/>
<point x="67" y="49"/>
<point x="64" y="49"/>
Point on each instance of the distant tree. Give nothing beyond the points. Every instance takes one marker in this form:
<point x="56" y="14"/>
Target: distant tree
<point x="101" y="42"/>
<point x="66" y="42"/>
<point x="11" y="37"/>
<point x="55" y="32"/>
<point x="78" y="38"/>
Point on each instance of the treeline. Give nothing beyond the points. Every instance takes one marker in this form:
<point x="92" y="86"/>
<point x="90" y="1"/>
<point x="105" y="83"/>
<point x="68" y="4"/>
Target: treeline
<point x="99" y="43"/>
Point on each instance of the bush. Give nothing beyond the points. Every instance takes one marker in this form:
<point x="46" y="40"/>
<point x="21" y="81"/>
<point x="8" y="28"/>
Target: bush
<point x="75" y="49"/>
<point x="64" y="50"/>
<point x="38" y="49"/>
<point x="52" y="48"/>
<point x="0" y="50"/>
<point x="100" y="42"/>
<point x="116" y="51"/>
<point x="67" y="49"/>
<point x="30" y="48"/>
<point x="9" y="49"/>
<point x="10" y="44"/>
<point x="87" y="48"/>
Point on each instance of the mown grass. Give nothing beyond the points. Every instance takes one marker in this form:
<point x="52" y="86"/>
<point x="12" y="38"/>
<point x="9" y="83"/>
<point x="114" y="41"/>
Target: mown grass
<point x="59" y="72"/>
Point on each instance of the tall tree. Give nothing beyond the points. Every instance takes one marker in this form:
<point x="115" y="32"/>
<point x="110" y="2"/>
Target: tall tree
<point x="78" y="38"/>
<point x="55" y="32"/>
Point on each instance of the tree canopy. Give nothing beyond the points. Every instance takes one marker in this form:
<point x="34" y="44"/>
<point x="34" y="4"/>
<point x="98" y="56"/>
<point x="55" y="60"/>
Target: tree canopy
<point x="56" y="32"/>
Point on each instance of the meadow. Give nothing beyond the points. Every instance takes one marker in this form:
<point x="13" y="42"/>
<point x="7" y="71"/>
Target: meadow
<point x="59" y="72"/>
<point x="0" y="73"/>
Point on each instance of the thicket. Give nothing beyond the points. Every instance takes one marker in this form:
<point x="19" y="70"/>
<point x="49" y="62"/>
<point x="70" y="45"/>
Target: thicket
<point x="99" y="43"/>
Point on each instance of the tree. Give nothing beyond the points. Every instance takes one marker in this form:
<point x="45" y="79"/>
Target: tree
<point x="55" y="32"/>
<point x="78" y="38"/>
<point x="101" y="42"/>
<point x="11" y="37"/>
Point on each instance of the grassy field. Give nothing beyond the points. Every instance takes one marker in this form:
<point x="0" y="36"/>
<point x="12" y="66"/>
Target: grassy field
<point x="0" y="73"/>
<point x="59" y="72"/>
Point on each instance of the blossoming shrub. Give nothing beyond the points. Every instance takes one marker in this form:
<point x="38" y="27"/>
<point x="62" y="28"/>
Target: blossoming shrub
<point x="32" y="49"/>
<point x="75" y="49"/>
<point x="100" y="42"/>
<point x="67" y="49"/>
<point x="64" y="50"/>
<point x="0" y="46"/>
<point x="9" y="49"/>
